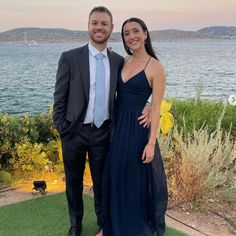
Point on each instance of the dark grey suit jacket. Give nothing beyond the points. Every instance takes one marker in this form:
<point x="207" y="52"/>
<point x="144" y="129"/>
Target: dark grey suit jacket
<point x="71" y="96"/>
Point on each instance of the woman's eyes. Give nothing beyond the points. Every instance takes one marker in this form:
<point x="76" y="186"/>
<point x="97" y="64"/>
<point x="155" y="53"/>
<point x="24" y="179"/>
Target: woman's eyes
<point x="134" y="31"/>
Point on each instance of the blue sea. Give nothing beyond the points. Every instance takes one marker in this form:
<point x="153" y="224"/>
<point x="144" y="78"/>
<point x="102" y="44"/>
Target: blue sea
<point x="205" y="67"/>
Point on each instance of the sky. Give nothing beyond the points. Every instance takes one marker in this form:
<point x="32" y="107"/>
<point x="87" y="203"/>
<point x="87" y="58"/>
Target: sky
<point x="157" y="14"/>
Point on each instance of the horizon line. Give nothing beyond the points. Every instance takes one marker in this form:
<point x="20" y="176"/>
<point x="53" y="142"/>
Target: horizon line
<point x="117" y="31"/>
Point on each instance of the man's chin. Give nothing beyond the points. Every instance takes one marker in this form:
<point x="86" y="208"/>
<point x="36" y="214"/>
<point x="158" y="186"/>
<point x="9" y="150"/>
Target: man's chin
<point x="100" y="41"/>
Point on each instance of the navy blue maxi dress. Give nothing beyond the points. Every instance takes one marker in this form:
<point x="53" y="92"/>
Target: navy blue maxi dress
<point x="134" y="194"/>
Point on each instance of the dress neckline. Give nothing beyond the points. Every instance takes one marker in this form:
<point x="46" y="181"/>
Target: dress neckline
<point x="126" y="81"/>
<point x="143" y="70"/>
<point x="133" y="77"/>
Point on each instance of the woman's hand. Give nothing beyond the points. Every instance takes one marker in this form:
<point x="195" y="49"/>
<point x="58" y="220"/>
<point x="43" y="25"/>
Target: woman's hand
<point x="148" y="153"/>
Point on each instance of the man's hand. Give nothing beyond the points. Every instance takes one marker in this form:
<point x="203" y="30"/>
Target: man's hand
<point x="145" y="118"/>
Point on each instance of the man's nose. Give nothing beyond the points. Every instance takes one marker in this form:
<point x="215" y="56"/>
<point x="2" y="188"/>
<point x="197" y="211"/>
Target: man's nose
<point x="99" y="26"/>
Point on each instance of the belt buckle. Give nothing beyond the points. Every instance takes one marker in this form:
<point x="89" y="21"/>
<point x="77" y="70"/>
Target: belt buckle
<point x="92" y="125"/>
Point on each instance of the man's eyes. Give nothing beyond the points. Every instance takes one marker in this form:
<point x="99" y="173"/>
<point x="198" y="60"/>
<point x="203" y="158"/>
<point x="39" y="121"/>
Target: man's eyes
<point x="103" y="23"/>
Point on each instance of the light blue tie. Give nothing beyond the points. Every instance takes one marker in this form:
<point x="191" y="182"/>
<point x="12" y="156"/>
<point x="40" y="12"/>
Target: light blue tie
<point x="99" y="111"/>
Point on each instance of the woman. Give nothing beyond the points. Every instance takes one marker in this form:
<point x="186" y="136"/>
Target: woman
<point x="134" y="185"/>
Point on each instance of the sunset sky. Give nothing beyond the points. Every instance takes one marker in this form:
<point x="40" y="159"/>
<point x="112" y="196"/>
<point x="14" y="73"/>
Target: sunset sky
<point x="158" y="14"/>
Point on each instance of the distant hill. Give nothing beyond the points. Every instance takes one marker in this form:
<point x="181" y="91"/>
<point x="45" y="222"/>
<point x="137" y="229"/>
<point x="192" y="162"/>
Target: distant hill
<point x="47" y="35"/>
<point x="225" y="32"/>
<point x="42" y="35"/>
<point x="177" y="35"/>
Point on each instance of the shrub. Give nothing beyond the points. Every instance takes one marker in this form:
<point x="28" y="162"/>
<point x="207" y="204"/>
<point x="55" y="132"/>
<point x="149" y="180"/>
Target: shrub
<point x="190" y="114"/>
<point x="16" y="129"/>
<point x="5" y="178"/>
<point x="200" y="165"/>
<point x="53" y="152"/>
<point x="44" y="127"/>
<point x="12" y="128"/>
<point x="28" y="157"/>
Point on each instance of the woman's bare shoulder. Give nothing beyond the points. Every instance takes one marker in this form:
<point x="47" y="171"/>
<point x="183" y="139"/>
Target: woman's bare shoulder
<point x="156" y="65"/>
<point x="127" y="58"/>
<point x="155" y="69"/>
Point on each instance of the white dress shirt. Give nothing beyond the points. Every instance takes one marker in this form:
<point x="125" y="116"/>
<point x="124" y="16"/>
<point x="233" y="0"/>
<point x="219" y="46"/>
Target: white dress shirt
<point x="89" y="118"/>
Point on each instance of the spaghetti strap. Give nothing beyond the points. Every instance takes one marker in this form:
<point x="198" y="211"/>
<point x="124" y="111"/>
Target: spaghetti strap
<point x="147" y="63"/>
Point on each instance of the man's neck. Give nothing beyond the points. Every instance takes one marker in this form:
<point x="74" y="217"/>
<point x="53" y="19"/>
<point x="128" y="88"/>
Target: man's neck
<point x="99" y="46"/>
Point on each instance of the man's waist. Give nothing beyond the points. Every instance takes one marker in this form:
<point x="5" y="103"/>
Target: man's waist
<point x="104" y="124"/>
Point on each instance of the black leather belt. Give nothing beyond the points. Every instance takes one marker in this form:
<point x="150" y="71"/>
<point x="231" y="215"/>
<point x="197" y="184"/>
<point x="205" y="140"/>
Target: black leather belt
<point x="104" y="124"/>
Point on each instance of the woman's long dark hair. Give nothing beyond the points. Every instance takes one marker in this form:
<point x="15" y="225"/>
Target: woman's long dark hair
<point x="148" y="44"/>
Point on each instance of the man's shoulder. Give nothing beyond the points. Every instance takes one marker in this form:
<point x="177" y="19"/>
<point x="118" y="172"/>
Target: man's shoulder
<point x="75" y="51"/>
<point x="117" y="56"/>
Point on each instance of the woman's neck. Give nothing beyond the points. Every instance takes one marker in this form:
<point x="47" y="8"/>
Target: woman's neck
<point x="140" y="54"/>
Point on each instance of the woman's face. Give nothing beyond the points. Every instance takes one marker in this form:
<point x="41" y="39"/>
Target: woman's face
<point x="134" y="36"/>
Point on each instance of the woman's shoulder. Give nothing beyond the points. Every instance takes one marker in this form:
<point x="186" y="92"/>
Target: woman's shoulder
<point x="127" y="58"/>
<point x="155" y="66"/>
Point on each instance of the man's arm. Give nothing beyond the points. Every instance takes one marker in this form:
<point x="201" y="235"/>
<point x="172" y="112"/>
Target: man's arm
<point x="61" y="93"/>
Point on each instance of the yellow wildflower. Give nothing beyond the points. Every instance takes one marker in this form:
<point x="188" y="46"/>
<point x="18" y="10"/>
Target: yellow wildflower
<point x="167" y="119"/>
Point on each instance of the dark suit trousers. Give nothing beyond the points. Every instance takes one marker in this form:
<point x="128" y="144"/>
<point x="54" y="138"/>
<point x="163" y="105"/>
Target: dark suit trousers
<point x="95" y="142"/>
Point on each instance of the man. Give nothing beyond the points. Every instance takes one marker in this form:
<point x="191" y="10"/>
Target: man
<point x="83" y="107"/>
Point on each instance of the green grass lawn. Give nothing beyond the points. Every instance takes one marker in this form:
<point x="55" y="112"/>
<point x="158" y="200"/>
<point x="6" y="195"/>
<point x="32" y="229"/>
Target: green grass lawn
<point x="48" y="216"/>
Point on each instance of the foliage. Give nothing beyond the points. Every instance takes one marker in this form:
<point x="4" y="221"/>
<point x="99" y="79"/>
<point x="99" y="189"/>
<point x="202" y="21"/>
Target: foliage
<point x="44" y="127"/>
<point x="193" y="114"/>
<point x="5" y="178"/>
<point x="36" y="129"/>
<point x="198" y="152"/>
<point x="199" y="164"/>
<point x="28" y="157"/>
<point x="53" y="152"/>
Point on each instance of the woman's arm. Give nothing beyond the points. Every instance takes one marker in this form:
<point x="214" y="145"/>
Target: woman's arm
<point x="158" y="81"/>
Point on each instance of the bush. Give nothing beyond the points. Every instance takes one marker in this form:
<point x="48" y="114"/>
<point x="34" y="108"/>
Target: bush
<point x="53" y="151"/>
<point x="193" y="114"/>
<point x="37" y="129"/>
<point x="44" y="127"/>
<point x="28" y="157"/>
<point x="201" y="163"/>
<point x="5" y="178"/>
<point x="15" y="129"/>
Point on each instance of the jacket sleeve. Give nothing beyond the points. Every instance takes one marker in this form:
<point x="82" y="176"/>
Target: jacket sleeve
<point x="61" y="93"/>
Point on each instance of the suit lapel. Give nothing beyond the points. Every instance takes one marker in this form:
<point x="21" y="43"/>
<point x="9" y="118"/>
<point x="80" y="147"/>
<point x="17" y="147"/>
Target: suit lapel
<point x="84" y="70"/>
<point x="113" y="76"/>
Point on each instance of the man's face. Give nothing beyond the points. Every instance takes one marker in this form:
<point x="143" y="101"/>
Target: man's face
<point x="100" y="27"/>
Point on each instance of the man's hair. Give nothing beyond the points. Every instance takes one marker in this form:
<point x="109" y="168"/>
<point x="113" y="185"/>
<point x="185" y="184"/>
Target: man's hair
<point x="101" y="9"/>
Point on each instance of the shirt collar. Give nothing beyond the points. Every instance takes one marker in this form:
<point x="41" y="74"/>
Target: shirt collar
<point x="94" y="51"/>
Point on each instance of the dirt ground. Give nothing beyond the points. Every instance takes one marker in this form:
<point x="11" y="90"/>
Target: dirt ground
<point x="192" y="223"/>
